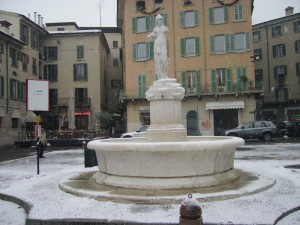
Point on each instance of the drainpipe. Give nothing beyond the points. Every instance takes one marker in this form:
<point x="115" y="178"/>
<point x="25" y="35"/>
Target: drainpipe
<point x="7" y="82"/>
<point x="268" y="58"/>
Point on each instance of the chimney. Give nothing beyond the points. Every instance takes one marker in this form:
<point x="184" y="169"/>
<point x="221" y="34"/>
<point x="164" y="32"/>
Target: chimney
<point x="42" y="21"/>
<point x="289" y="11"/>
<point x="28" y="15"/>
<point x="39" y="19"/>
<point x="35" y="17"/>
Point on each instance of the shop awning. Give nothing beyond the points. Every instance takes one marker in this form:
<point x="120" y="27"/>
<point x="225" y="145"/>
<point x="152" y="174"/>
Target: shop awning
<point x="16" y="114"/>
<point x="225" y="105"/>
<point x="30" y="117"/>
<point x="2" y="112"/>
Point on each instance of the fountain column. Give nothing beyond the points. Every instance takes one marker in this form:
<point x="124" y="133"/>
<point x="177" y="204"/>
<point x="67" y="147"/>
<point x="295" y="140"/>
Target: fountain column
<point x="165" y="111"/>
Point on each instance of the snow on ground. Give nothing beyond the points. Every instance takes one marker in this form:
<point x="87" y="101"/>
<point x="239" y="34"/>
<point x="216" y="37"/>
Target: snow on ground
<point x="19" y="178"/>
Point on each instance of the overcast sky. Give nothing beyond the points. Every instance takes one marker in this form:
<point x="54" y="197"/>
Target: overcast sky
<point x="87" y="13"/>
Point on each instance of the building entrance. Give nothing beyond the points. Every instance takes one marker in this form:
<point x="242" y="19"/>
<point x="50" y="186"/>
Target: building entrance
<point x="225" y="119"/>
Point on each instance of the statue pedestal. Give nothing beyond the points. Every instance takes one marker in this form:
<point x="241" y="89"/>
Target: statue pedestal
<point x="165" y="111"/>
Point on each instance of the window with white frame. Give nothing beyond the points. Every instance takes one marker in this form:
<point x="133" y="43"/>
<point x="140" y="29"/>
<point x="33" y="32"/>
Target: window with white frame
<point x="221" y="77"/>
<point x="190" y="47"/>
<point x="218" y="15"/>
<point x="240" y="42"/>
<point x="189" y="18"/>
<point x="279" y="50"/>
<point x="238" y="12"/>
<point x="50" y="53"/>
<point x="191" y="82"/>
<point x="50" y="73"/>
<point x="143" y="51"/>
<point x="297" y="26"/>
<point x="220" y="44"/>
<point x="141" y="24"/>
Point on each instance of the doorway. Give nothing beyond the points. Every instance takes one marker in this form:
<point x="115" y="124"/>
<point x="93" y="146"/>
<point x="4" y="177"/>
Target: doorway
<point x="225" y="119"/>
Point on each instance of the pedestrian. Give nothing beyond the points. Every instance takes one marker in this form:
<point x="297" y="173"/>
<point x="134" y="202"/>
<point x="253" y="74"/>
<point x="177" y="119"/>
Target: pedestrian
<point x="42" y="144"/>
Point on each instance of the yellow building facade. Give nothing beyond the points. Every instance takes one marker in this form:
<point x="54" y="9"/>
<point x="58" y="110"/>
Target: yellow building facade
<point x="210" y="49"/>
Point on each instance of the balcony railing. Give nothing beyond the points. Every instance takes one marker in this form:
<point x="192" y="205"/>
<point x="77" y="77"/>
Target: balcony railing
<point x="61" y="102"/>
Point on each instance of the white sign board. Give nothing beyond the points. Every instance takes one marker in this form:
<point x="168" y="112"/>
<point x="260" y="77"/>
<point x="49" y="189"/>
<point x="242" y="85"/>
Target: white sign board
<point x="37" y="95"/>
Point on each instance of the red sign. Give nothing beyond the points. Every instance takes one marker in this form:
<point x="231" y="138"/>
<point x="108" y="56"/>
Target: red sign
<point x="83" y="113"/>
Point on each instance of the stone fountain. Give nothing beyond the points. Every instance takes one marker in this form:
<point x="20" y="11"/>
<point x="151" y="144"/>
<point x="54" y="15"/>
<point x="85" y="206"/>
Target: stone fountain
<point x="166" y="158"/>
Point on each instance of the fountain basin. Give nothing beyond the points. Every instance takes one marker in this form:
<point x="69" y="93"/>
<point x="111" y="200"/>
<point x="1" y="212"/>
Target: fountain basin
<point x="141" y="164"/>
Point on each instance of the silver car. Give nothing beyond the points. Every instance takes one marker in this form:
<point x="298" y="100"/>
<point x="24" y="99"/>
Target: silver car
<point x="138" y="133"/>
<point x="263" y="130"/>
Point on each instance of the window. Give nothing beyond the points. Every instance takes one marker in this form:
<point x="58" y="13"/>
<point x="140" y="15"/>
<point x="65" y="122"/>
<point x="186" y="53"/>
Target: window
<point x="191" y="82"/>
<point x="81" y="97"/>
<point x="14" y="89"/>
<point x="142" y="85"/>
<point x="1" y="86"/>
<point x="115" y="62"/>
<point x="34" y="66"/>
<point x="14" y="122"/>
<point x="218" y="15"/>
<point x="281" y="94"/>
<point x="50" y="53"/>
<point x="141" y="24"/>
<point x="279" y="50"/>
<point x="158" y="4"/>
<point x="276" y="31"/>
<point x="242" y="42"/>
<point x="297" y="26"/>
<point x="280" y="72"/>
<point x="258" y="79"/>
<point x="187" y="2"/>
<point x="143" y="51"/>
<point x="221" y="79"/>
<point x="146" y="23"/>
<point x="257" y="54"/>
<point x="80" y="72"/>
<point x="189" y="18"/>
<point x="80" y="52"/>
<point x="61" y="29"/>
<point x="297" y="46"/>
<point x="256" y="36"/>
<point x="298" y="68"/>
<point x="115" y="44"/>
<point x="53" y="97"/>
<point x="25" y="61"/>
<point x="1" y="48"/>
<point x="24" y="34"/>
<point x="50" y="73"/>
<point x="115" y="84"/>
<point x="140" y="5"/>
<point x="219" y="44"/>
<point x="238" y="12"/>
<point x="14" y="54"/>
<point x="190" y="47"/>
<point x="34" y="39"/>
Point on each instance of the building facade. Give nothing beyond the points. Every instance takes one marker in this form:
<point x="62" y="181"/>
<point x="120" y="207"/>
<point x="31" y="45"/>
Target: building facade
<point x="79" y="63"/>
<point x="277" y="65"/>
<point x="210" y="49"/>
<point x="20" y="51"/>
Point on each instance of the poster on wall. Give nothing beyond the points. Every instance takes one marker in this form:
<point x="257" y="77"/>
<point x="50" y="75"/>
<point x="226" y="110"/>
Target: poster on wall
<point x="37" y="95"/>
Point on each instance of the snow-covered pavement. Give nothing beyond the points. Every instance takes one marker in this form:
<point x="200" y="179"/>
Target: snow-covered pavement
<point x="41" y="197"/>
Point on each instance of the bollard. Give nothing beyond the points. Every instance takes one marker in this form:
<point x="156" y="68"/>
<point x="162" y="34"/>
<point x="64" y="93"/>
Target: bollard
<point x="190" y="212"/>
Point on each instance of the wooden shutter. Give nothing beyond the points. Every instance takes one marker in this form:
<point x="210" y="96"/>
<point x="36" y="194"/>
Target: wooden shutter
<point x="196" y="14"/>
<point x="151" y="44"/>
<point x="86" y="71"/>
<point x="148" y="21"/>
<point x="226" y="14"/>
<point x="211" y="16"/>
<point x="133" y="24"/>
<point x="197" y="44"/>
<point x="213" y="81"/>
<point x="134" y="52"/>
<point x="199" y="86"/>
<point x="247" y="39"/>
<point x="228" y="79"/>
<point x="182" y="24"/>
<point x="182" y="46"/>
<point x="212" y="44"/>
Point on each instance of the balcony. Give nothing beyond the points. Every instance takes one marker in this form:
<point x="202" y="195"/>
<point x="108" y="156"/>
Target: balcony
<point x="64" y="102"/>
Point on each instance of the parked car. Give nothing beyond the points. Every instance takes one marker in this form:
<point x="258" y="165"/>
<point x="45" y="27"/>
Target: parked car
<point x="264" y="130"/>
<point x="138" y="133"/>
<point x="289" y="128"/>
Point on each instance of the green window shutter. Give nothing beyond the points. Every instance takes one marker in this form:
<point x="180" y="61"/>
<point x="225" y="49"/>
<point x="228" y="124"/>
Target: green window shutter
<point x="226" y="13"/>
<point x="196" y="17"/>
<point x="212" y="45"/>
<point x="86" y="71"/>
<point x="2" y="86"/>
<point x="74" y="72"/>
<point x="247" y="36"/>
<point x="197" y="40"/>
<point x="211" y="15"/>
<point x="199" y="86"/>
<point x="140" y="88"/>
<point x="45" y="72"/>
<point x="134" y="52"/>
<point x="151" y="50"/>
<point x="213" y="81"/>
<point x="182" y="24"/>
<point x="232" y="40"/>
<point x="133" y="24"/>
<point x="244" y="71"/>
<point x="228" y="79"/>
<point x="239" y="80"/>
<point x="11" y="88"/>
<point x="227" y="43"/>
<point x="182" y="46"/>
<point x="183" y="80"/>
<point x="142" y="85"/>
<point x="148" y="20"/>
<point x="148" y="50"/>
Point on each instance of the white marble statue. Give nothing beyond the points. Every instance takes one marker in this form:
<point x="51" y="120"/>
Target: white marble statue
<point x="160" y="48"/>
